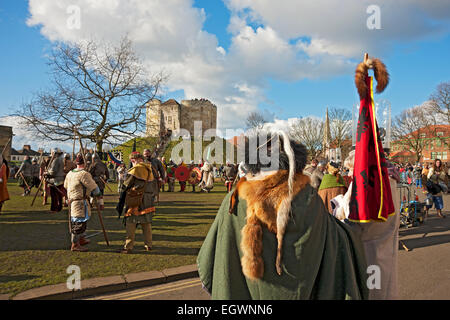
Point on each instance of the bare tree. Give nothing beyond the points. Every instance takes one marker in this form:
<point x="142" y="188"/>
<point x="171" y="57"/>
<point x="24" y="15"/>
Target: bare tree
<point x="410" y="129"/>
<point x="340" y="125"/>
<point x="309" y="132"/>
<point x="440" y="102"/>
<point x="255" y="121"/>
<point x="98" y="93"/>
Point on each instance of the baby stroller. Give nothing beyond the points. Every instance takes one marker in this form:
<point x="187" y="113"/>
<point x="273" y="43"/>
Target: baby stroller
<point x="412" y="212"/>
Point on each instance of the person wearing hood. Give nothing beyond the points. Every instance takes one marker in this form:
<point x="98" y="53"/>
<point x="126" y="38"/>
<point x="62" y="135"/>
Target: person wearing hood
<point x="139" y="201"/>
<point x="25" y="176"/>
<point x="331" y="186"/>
<point x="4" y="176"/>
<point x="207" y="182"/>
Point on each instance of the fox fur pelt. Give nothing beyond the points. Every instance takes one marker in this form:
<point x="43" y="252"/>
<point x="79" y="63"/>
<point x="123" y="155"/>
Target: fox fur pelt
<point x="268" y="205"/>
<point x="380" y="72"/>
<point x="269" y="196"/>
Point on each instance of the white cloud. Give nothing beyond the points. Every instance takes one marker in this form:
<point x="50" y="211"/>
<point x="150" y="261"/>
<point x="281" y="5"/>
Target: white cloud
<point x="23" y="136"/>
<point x="285" y="40"/>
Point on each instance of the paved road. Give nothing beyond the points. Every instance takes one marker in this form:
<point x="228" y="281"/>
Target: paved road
<point x="189" y="289"/>
<point x="424" y="270"/>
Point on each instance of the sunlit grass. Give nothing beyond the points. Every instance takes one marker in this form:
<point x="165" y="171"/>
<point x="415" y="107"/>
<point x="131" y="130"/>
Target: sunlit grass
<point x="35" y="244"/>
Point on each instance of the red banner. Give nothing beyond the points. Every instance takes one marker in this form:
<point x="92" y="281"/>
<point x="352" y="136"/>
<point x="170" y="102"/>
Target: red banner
<point x="371" y="192"/>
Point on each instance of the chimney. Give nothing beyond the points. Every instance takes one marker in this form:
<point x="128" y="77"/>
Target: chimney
<point x="27" y="147"/>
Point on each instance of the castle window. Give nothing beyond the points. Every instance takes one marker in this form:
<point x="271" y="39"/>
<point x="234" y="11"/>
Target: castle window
<point x="169" y="120"/>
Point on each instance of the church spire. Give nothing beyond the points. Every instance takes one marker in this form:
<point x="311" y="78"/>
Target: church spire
<point x="326" y="136"/>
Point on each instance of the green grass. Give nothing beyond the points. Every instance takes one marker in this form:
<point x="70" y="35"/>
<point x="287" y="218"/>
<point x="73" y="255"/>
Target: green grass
<point x="35" y="245"/>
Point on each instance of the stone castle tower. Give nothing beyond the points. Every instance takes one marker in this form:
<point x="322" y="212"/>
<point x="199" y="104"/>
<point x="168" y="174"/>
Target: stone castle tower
<point x="172" y="115"/>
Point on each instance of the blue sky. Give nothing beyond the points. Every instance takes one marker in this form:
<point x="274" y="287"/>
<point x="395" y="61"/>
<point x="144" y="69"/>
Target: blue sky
<point x="417" y="64"/>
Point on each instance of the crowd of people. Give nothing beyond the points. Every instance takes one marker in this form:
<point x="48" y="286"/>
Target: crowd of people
<point x="331" y="179"/>
<point x="80" y="183"/>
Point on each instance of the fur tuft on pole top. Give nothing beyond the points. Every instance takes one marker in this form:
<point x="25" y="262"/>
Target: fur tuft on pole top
<point x="362" y="72"/>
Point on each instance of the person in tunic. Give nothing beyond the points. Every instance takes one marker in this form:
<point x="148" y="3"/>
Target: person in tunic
<point x="122" y="176"/>
<point x="45" y="187"/>
<point x="25" y="176"/>
<point x="4" y="176"/>
<point x="320" y="257"/>
<point x="35" y="169"/>
<point x="207" y="182"/>
<point x="80" y="185"/>
<point x="158" y="172"/>
<point x="332" y="185"/>
<point x="55" y="178"/>
<point x="100" y="174"/>
<point x="229" y="174"/>
<point x="141" y="212"/>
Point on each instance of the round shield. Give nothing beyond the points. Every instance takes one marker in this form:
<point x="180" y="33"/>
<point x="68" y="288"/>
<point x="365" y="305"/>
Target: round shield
<point x="195" y="176"/>
<point x="182" y="173"/>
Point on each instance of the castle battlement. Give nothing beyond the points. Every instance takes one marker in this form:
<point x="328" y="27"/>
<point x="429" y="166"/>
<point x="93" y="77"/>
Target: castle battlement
<point x="172" y="115"/>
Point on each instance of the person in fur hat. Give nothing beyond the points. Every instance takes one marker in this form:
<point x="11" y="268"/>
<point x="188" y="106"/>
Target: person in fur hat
<point x="80" y="185"/>
<point x="274" y="239"/>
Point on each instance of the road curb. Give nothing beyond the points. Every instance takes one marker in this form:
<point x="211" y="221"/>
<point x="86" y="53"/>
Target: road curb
<point x="96" y="286"/>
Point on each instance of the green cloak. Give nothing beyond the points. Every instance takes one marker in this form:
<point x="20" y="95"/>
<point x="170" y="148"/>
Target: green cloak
<point x="322" y="257"/>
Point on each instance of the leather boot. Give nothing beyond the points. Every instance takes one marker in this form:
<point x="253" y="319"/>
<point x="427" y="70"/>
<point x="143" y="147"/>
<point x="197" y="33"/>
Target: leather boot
<point x="84" y="241"/>
<point x="78" y="248"/>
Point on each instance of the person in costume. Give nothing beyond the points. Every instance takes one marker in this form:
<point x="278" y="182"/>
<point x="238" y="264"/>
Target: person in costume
<point x="331" y="185"/>
<point x="139" y="201"/>
<point x="171" y="167"/>
<point x="100" y="174"/>
<point x="207" y="182"/>
<point x="380" y="239"/>
<point x="273" y="238"/>
<point x="190" y="167"/>
<point x="164" y="181"/>
<point x="373" y="208"/>
<point x="80" y="186"/>
<point x="55" y="178"/>
<point x="437" y="175"/>
<point x="35" y="169"/>
<point x="182" y="183"/>
<point x="229" y="174"/>
<point x="317" y="175"/>
<point x="25" y="175"/>
<point x="122" y="176"/>
<point x="4" y="176"/>
<point x="309" y="169"/>
<point x="45" y="186"/>
<point x="158" y="172"/>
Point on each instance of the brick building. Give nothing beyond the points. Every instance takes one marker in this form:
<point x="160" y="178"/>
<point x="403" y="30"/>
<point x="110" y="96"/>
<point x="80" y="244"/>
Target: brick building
<point x="433" y="140"/>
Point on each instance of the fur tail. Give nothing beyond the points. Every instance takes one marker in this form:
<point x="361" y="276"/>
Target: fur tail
<point x="251" y="245"/>
<point x="290" y="153"/>
<point x="360" y="80"/>
<point x="381" y="74"/>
